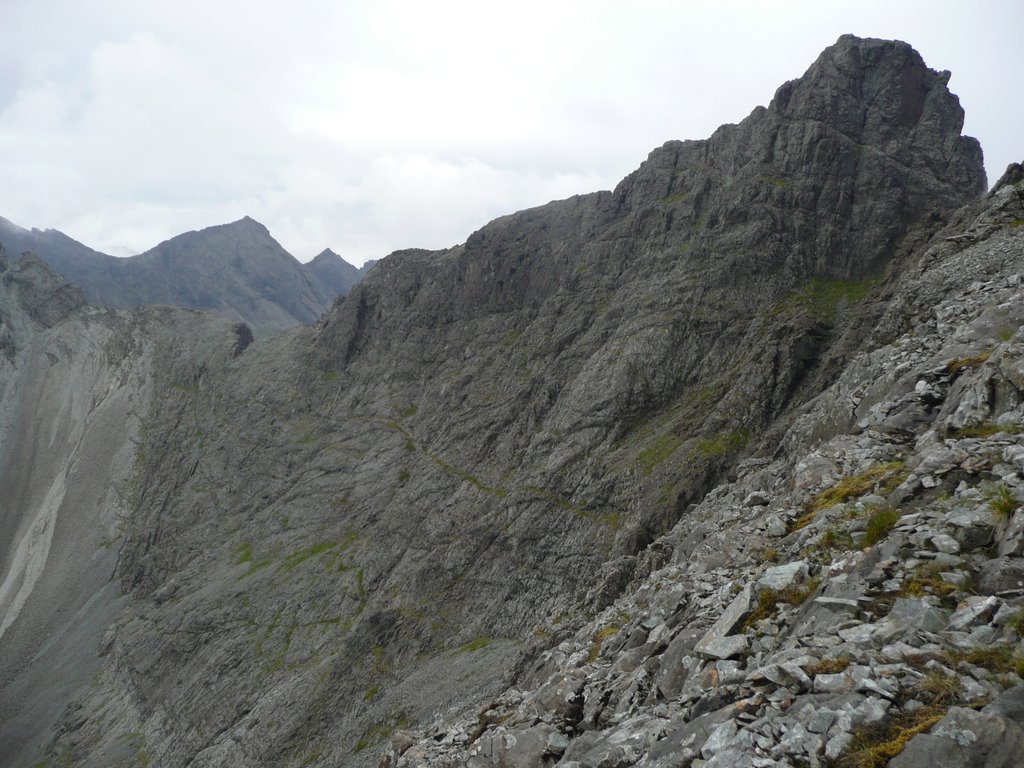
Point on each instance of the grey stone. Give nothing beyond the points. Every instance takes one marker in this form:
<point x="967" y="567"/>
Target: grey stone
<point x="799" y="740"/>
<point x="719" y="738"/>
<point x="686" y="736"/>
<point x="818" y="720"/>
<point x="838" y="744"/>
<point x="917" y="613"/>
<point x="782" y="576"/>
<point x="723" y="647"/>
<point x="712" y="644"/>
<point x="1002" y="576"/>
<point x="1009" y="704"/>
<point x="839" y="604"/>
<point x="861" y="635"/>
<point x="755" y="499"/>
<point x="515" y="748"/>
<point x="937" y="460"/>
<point x="973" y="610"/>
<point x="677" y="664"/>
<point x="833" y="682"/>
<point x="1010" y="537"/>
<point x="945" y="543"/>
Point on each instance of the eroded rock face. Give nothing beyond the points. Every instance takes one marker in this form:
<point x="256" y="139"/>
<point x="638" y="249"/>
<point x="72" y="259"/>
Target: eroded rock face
<point x="901" y="640"/>
<point x="74" y="386"/>
<point x="344" y="530"/>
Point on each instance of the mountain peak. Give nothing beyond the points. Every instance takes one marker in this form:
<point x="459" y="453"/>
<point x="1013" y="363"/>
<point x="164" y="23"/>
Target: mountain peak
<point x="245" y="223"/>
<point x="326" y="255"/>
<point x="881" y="93"/>
<point x="10" y="226"/>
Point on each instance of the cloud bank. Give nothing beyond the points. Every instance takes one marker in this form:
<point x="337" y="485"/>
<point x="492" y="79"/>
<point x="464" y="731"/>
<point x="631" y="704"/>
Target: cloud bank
<point x="372" y="126"/>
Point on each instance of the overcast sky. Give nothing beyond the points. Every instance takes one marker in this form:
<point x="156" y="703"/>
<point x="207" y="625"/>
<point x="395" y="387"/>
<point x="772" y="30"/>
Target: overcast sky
<point x="372" y="126"/>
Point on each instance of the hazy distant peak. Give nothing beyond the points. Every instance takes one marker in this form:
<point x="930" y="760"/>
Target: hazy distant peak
<point x="10" y="225"/>
<point x="246" y="223"/>
<point x="327" y="255"/>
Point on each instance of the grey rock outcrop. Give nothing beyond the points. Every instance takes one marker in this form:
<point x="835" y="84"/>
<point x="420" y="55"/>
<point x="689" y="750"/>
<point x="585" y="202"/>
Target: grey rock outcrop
<point x="897" y="650"/>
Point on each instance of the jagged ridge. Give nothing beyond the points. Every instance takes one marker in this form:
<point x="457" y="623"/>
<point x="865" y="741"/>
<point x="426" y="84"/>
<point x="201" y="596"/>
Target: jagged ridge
<point x="235" y="269"/>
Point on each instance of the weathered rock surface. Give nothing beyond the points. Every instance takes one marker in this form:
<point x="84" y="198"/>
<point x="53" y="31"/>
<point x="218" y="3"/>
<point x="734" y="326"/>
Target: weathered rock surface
<point x="907" y="647"/>
<point x="74" y="385"/>
<point x="493" y="503"/>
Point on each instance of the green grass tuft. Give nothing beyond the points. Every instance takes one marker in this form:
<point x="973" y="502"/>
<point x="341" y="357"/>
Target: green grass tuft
<point x="1002" y="501"/>
<point x="882" y="520"/>
<point x="883" y="478"/>
<point x="292" y="561"/>
<point x="475" y="644"/>
<point x="986" y="429"/>
<point x="769" y="600"/>
<point x="722" y="444"/>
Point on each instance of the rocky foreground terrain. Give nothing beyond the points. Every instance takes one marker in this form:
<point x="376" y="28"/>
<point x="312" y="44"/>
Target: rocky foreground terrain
<point x="717" y="468"/>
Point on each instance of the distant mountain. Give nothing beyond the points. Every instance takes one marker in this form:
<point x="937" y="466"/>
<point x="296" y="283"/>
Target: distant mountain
<point x="236" y="269"/>
<point x="334" y="272"/>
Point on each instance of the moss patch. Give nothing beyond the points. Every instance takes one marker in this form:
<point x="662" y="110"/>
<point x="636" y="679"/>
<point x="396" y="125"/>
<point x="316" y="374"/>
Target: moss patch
<point x="722" y="444"/>
<point x="874" y="746"/>
<point x="987" y="429"/>
<point x="294" y="560"/>
<point x="769" y="600"/>
<point x="475" y="644"/>
<point x="883" y="478"/>
<point x="954" y="367"/>
<point x="822" y="298"/>
<point x="663" y="447"/>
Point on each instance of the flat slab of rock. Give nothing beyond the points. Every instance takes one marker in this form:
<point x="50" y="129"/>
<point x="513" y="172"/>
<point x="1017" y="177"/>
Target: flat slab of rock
<point x="782" y="576"/>
<point x="919" y="614"/>
<point x="716" y="644"/>
<point x="838" y="604"/>
<point x="976" y="609"/>
<point x="723" y="647"/>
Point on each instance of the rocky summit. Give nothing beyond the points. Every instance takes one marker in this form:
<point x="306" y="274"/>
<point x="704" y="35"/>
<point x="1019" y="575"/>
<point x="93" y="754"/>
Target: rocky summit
<point x="720" y="468"/>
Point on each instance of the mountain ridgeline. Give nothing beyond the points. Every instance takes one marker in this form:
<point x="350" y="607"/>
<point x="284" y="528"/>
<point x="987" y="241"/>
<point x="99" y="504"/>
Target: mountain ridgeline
<point x="236" y="269"/>
<point x="346" y="530"/>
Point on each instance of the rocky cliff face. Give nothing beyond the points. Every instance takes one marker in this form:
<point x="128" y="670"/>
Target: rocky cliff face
<point x="343" y="530"/>
<point x="74" y="384"/>
<point x="855" y="596"/>
<point x="237" y="270"/>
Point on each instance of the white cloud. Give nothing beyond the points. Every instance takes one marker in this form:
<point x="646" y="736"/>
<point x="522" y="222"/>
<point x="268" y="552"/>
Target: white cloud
<point x="369" y="126"/>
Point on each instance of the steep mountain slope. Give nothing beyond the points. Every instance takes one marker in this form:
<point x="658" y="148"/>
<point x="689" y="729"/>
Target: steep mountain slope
<point x="74" y="383"/>
<point x="855" y="595"/>
<point x="236" y="269"/>
<point x="348" y="528"/>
